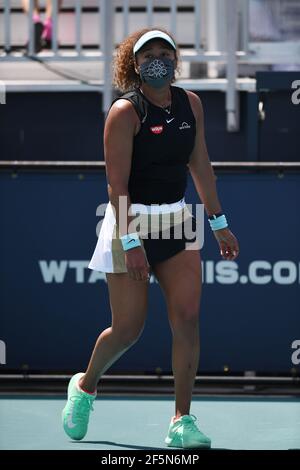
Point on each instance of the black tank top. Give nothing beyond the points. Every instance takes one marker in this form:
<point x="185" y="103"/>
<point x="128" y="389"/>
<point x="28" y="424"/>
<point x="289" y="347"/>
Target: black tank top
<point x="161" y="149"/>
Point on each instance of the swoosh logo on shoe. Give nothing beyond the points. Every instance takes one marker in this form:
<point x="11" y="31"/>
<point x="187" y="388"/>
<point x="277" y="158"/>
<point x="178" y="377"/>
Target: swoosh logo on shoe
<point x="70" y="423"/>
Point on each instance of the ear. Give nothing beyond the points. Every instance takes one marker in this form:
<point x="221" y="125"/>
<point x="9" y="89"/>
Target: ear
<point x="175" y="63"/>
<point x="136" y="68"/>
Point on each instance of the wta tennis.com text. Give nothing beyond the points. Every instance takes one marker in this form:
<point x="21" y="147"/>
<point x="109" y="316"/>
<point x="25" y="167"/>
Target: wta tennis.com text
<point x="258" y="272"/>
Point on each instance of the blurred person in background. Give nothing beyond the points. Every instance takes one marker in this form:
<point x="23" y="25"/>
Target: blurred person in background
<point x="42" y="29"/>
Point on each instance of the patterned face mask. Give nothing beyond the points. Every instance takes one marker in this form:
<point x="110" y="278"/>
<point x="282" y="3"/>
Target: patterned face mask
<point x="157" y="72"/>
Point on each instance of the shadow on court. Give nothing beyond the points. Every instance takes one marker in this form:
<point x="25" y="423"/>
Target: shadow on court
<point x="118" y="444"/>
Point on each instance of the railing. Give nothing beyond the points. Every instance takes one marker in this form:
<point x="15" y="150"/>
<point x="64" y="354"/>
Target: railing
<point x="56" y="165"/>
<point x="214" y="31"/>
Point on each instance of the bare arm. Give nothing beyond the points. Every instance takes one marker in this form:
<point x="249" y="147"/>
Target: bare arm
<point x="120" y="127"/>
<point x="205" y="181"/>
<point x="200" y="167"/>
<point x="118" y="144"/>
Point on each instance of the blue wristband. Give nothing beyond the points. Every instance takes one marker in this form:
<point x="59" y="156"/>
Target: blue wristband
<point x="214" y="216"/>
<point x="218" y="223"/>
<point x="130" y="240"/>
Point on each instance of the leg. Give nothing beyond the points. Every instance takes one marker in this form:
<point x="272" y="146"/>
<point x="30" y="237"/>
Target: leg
<point x="37" y="24"/>
<point x="25" y="5"/>
<point x="49" y="7"/>
<point x="180" y="279"/>
<point x="128" y="301"/>
<point x="47" y="32"/>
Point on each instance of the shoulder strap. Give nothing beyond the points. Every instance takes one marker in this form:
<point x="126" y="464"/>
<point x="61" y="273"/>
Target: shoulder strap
<point x="180" y="91"/>
<point x="183" y="96"/>
<point x="139" y="103"/>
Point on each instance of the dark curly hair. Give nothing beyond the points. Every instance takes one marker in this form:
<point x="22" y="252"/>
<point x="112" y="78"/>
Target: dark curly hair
<point x="125" y="77"/>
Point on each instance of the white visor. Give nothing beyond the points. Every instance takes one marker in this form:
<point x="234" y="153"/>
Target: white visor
<point x="155" y="34"/>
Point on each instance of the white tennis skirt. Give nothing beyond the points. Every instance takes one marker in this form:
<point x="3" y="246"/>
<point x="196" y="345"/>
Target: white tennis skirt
<point x="161" y="228"/>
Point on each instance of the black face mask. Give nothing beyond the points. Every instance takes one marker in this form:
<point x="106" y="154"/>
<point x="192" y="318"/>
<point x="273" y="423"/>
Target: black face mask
<point x="157" y="72"/>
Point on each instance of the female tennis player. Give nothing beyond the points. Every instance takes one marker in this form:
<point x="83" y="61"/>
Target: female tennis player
<point x="154" y="136"/>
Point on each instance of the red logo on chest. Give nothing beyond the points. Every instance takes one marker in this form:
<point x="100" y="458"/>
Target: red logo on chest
<point x="157" y="129"/>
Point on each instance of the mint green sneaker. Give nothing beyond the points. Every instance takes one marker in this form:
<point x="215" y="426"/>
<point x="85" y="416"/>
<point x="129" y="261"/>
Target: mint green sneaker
<point x="185" y="434"/>
<point x="76" y="413"/>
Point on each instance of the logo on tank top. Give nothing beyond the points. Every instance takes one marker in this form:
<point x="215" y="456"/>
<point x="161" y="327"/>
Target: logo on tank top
<point x="184" y="125"/>
<point x="157" y="129"/>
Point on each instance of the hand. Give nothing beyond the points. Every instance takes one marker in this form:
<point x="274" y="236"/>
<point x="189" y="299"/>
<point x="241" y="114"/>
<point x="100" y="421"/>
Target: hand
<point x="229" y="247"/>
<point x="137" y="264"/>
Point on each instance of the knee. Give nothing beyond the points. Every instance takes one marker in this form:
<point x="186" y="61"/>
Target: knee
<point x="184" y="318"/>
<point x="128" y="335"/>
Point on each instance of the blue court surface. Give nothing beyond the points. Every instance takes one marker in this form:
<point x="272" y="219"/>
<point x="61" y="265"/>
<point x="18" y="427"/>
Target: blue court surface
<point x="140" y="423"/>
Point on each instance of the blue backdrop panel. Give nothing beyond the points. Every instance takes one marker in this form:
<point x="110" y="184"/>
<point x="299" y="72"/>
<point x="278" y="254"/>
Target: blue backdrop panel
<point x="72" y="127"/>
<point x="53" y="307"/>
<point x="52" y="126"/>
